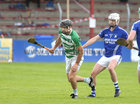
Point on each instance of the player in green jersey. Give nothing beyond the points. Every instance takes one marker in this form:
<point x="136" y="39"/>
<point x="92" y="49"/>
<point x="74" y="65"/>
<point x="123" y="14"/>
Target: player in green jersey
<point x="74" y="54"/>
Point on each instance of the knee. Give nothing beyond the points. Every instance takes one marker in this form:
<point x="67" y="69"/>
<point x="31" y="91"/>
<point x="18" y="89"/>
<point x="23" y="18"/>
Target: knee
<point x="93" y="74"/>
<point x="71" y="78"/>
<point x="110" y="69"/>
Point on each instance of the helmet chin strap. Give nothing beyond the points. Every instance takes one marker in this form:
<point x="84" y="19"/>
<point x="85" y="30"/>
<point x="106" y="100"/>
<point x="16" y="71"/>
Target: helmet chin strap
<point x="113" y="26"/>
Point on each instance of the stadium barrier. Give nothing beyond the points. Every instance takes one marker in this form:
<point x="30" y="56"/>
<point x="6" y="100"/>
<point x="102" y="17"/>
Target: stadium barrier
<point x="27" y="52"/>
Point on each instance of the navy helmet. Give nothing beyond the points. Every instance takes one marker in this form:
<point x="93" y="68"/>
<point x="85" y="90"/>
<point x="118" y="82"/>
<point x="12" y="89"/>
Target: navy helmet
<point x="66" y="23"/>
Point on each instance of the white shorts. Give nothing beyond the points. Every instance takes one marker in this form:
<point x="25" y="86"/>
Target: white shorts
<point x="104" y="61"/>
<point x="138" y="64"/>
<point x="70" y="62"/>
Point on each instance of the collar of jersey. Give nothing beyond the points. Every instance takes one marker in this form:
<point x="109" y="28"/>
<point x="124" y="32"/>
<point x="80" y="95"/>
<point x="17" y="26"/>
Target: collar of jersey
<point x="115" y="28"/>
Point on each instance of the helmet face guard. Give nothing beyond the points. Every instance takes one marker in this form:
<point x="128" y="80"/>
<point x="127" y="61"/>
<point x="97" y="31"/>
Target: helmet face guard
<point x="114" y="16"/>
<point x="66" y="23"/>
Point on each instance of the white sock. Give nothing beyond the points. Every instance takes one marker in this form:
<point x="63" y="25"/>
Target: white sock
<point x="87" y="80"/>
<point x="75" y="92"/>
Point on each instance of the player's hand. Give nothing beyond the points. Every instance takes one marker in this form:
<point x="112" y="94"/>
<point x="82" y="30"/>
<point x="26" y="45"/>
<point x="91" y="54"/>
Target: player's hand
<point x="74" y="67"/>
<point x="130" y="46"/>
<point x="51" y="50"/>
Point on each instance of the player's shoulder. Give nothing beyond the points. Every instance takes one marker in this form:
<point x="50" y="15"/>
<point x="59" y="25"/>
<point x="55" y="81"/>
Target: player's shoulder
<point x="122" y="30"/>
<point x="137" y="22"/>
<point x="105" y="29"/>
<point x="60" y="31"/>
<point x="74" y="34"/>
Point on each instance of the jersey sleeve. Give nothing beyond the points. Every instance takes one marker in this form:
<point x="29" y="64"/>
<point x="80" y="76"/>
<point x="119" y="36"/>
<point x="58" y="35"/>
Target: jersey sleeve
<point x="125" y="35"/>
<point x="76" y="40"/>
<point x="134" y="27"/>
<point x="59" y="31"/>
<point x="101" y="34"/>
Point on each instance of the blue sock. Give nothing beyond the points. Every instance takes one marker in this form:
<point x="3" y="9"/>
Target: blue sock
<point x="116" y="86"/>
<point x="93" y="93"/>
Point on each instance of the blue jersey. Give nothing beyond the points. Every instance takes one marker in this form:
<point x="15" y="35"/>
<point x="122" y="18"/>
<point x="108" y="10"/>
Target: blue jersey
<point x="136" y="27"/>
<point x="110" y="38"/>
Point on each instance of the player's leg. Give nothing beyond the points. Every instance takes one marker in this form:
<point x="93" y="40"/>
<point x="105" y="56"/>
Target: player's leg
<point x="79" y="78"/>
<point x="71" y="78"/>
<point x="99" y="67"/>
<point x="96" y="70"/>
<point x="138" y="72"/>
<point x="71" y="74"/>
<point x="139" y="76"/>
<point x="111" y="69"/>
<point x="73" y="81"/>
<point x="115" y="60"/>
<point x="76" y="77"/>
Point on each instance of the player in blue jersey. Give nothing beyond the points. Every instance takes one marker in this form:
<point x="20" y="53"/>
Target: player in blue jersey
<point x="135" y="32"/>
<point x="112" y="55"/>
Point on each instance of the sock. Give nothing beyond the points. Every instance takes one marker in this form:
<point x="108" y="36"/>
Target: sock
<point x="93" y="92"/>
<point x="87" y="80"/>
<point x="116" y="85"/>
<point x="75" y="92"/>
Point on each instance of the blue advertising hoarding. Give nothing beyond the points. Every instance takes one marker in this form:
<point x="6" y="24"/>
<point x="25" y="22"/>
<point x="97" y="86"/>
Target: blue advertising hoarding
<point x="28" y="52"/>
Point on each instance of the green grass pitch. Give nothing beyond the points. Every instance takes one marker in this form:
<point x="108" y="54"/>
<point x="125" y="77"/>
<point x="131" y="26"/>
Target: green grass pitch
<point x="46" y="83"/>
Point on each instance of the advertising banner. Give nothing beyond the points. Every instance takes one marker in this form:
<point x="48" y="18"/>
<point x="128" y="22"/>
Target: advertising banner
<point x="6" y="46"/>
<point x="28" y="52"/>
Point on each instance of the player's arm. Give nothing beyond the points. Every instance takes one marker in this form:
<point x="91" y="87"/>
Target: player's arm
<point x="79" y="56"/>
<point x="57" y="43"/>
<point x="131" y="38"/>
<point x="91" y="41"/>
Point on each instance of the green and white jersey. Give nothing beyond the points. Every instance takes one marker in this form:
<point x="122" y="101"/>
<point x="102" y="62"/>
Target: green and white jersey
<point x="70" y="42"/>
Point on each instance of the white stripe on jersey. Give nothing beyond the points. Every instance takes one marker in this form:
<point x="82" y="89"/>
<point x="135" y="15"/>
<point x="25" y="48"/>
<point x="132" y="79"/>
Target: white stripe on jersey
<point x="116" y="48"/>
<point x="122" y="29"/>
<point x="67" y="36"/>
<point x="66" y="42"/>
<point x="68" y="48"/>
<point x="70" y="53"/>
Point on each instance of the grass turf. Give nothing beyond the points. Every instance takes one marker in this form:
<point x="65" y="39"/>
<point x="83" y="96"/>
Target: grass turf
<point x="46" y="83"/>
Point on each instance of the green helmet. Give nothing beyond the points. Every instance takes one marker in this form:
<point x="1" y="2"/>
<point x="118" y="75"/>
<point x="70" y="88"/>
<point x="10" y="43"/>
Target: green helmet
<point x="66" y="23"/>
